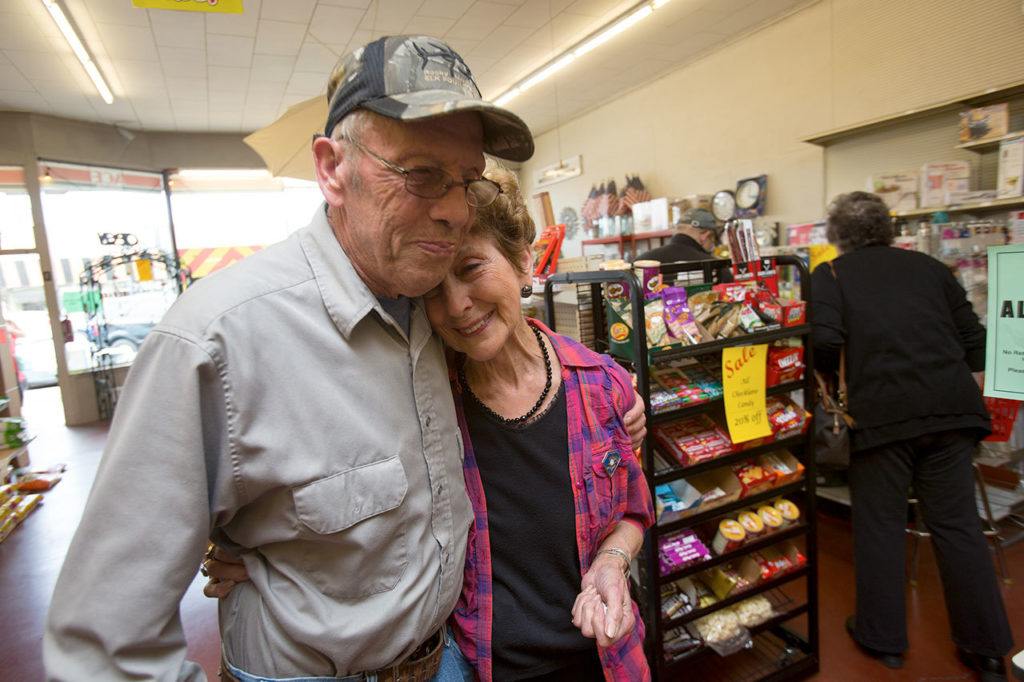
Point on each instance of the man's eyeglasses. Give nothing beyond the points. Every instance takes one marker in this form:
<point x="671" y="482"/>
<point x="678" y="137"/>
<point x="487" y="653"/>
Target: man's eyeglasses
<point x="434" y="183"/>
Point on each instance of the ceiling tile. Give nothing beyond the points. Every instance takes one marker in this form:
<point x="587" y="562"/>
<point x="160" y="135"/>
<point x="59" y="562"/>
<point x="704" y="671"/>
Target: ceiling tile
<point x="225" y="121"/>
<point x="450" y="9"/>
<point x="197" y="107"/>
<point x="335" y="25"/>
<point x="533" y="14"/>
<point x="112" y="12"/>
<point x="598" y="8"/>
<point x="279" y="37"/>
<point x="186" y="88"/>
<point x="479" y="65"/>
<point x="392" y="15"/>
<point x="225" y="50"/>
<point x="243" y="24"/>
<point x="178" y="29"/>
<point x="265" y="90"/>
<point x="227" y="79"/>
<point x="428" y="26"/>
<point x="272" y="68"/>
<point x="315" y="57"/>
<point x="461" y="45"/>
<point x="12" y="80"/>
<point x="35" y="65"/>
<point x="501" y="41"/>
<point x="128" y="42"/>
<point x="226" y="99"/>
<point x="361" y="4"/>
<point x="291" y="99"/>
<point x="310" y="84"/>
<point x="254" y="119"/>
<point x="479" y="20"/>
<point x="182" y="62"/>
<point x="20" y="32"/>
<point x="23" y="101"/>
<point x="295" y="11"/>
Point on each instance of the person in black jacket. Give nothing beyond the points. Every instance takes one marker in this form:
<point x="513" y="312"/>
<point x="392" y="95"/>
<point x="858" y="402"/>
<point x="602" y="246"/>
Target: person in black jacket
<point x="912" y="342"/>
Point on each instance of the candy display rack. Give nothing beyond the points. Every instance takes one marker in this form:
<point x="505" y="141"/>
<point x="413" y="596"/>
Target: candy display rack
<point x="786" y="645"/>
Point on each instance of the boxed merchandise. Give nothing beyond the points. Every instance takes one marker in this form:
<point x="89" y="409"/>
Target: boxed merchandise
<point x="679" y="641"/>
<point x="784" y="466"/>
<point x="753" y="478"/>
<point x="972" y="197"/>
<point x="692" y="440"/>
<point x="984" y="123"/>
<point x="897" y="190"/>
<point x="940" y="178"/>
<point x="1011" y="168"/>
<point x="785" y="417"/>
<point x="776" y="561"/>
<point x="678" y="598"/>
<point x="785" y="364"/>
<point x="713" y="489"/>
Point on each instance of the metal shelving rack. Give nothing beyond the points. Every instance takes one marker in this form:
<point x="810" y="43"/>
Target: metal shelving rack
<point x="778" y="653"/>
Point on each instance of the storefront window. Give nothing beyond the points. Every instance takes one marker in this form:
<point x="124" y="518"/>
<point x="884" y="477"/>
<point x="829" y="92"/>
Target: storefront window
<point x="24" y="309"/>
<point x="15" y="210"/>
<point x="98" y="221"/>
<point x="222" y="216"/>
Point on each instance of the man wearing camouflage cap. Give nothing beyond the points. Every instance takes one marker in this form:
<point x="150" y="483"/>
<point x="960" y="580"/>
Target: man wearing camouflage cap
<point x="296" y="408"/>
<point x="696" y="233"/>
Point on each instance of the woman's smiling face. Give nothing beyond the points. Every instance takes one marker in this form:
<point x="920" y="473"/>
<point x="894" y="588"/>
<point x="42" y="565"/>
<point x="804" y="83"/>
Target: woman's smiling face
<point x="476" y="308"/>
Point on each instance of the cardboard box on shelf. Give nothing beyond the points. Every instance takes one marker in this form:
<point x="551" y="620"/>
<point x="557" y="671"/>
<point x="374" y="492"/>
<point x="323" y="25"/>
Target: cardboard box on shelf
<point x="940" y="178"/>
<point x="1011" y="168"/>
<point x="984" y="123"/>
<point x="898" y="189"/>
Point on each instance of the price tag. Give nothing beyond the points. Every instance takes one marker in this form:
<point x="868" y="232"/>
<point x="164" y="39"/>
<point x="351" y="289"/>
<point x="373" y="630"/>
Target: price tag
<point x="743" y="383"/>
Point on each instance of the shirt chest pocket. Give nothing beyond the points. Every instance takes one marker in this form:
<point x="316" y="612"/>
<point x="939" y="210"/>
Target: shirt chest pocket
<point x="609" y="482"/>
<point x="352" y="540"/>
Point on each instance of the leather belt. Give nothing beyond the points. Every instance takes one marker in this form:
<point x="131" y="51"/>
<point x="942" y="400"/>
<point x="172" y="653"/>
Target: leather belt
<point x="420" y="666"/>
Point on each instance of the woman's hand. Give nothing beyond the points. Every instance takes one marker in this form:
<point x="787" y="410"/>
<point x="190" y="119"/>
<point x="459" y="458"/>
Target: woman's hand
<point x="224" y="570"/>
<point x="635" y="422"/>
<point x="603" y="610"/>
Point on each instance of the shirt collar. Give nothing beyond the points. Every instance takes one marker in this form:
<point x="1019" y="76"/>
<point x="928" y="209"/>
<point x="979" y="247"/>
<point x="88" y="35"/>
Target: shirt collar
<point x="570" y="353"/>
<point x="687" y="240"/>
<point x="346" y="297"/>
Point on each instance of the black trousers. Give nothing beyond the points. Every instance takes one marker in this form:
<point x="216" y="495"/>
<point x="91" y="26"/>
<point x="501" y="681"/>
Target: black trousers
<point x="939" y="467"/>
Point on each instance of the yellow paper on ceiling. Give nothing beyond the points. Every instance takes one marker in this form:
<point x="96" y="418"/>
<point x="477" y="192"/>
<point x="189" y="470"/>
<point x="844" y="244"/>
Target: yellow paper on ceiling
<point x="743" y="384"/>
<point x="220" y="6"/>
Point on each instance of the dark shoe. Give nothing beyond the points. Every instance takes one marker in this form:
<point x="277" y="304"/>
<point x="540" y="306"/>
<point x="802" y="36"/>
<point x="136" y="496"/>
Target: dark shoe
<point x="989" y="668"/>
<point x="889" y="660"/>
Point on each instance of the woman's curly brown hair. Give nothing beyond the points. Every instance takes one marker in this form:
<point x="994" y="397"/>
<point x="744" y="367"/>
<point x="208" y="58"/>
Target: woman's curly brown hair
<point x="858" y="219"/>
<point x="507" y="221"/>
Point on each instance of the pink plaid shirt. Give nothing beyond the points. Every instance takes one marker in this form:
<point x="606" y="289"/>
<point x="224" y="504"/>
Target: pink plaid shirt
<point x="608" y="487"/>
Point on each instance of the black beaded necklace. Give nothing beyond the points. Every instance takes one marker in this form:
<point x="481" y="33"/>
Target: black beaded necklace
<point x="516" y="421"/>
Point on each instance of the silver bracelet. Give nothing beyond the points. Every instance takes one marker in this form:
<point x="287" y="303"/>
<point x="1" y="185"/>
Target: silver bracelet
<point x="621" y="553"/>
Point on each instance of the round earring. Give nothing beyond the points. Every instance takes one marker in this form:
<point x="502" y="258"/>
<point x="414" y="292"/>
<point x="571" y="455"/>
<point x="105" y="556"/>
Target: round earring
<point x="526" y="291"/>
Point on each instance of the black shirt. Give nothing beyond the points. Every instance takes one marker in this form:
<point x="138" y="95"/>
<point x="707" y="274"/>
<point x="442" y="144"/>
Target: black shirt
<point x="681" y="247"/>
<point x="532" y="523"/>
<point x="912" y="341"/>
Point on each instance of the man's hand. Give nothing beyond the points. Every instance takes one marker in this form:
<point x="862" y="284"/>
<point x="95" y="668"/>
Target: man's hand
<point x="603" y="609"/>
<point x="224" y="571"/>
<point x="636" y="422"/>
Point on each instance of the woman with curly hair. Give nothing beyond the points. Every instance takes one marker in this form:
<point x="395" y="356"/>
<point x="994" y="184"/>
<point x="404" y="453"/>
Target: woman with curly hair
<point x="912" y="342"/>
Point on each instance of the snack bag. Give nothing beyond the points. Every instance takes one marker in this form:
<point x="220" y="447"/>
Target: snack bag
<point x="677" y="316"/>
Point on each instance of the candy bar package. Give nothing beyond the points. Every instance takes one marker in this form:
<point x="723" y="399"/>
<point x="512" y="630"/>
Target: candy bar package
<point x="692" y="440"/>
<point x="785" y="363"/>
<point x="785" y="417"/>
<point x="794" y="313"/>
<point x="679" y="641"/>
<point x="678" y="598"/>
<point x="785" y="467"/>
<point x="753" y="477"/>
<point x="681" y="550"/>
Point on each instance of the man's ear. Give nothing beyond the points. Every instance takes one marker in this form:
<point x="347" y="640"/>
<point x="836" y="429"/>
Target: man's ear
<point x="327" y="158"/>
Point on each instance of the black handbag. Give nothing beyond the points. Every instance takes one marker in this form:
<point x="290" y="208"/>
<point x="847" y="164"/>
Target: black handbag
<point x="832" y="422"/>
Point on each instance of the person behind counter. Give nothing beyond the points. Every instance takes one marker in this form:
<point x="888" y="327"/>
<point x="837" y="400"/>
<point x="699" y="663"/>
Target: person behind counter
<point x="912" y="341"/>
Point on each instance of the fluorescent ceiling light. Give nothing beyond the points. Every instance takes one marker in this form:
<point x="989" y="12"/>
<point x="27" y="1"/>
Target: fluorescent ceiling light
<point x="71" y="35"/>
<point x="578" y="50"/>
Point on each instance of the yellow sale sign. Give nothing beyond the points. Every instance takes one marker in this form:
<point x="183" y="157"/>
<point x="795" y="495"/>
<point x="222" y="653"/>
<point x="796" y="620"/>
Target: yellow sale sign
<point x="222" y="6"/>
<point x="743" y="383"/>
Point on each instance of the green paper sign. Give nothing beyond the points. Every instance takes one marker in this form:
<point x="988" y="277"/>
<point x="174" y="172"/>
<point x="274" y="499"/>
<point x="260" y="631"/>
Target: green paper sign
<point x="1004" y="356"/>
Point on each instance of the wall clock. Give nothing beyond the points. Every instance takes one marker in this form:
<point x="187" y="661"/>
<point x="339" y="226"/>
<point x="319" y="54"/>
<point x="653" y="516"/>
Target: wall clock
<point x="750" y="196"/>
<point x="723" y="205"/>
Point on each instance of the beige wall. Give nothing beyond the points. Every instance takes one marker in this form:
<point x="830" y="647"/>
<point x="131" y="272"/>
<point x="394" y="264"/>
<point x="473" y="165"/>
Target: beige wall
<point x="743" y="109"/>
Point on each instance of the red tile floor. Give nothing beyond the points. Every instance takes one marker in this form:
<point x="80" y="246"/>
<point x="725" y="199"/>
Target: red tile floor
<point x="31" y="558"/>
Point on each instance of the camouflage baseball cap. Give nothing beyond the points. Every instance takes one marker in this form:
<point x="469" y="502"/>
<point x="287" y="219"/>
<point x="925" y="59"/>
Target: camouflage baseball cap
<point x="417" y="77"/>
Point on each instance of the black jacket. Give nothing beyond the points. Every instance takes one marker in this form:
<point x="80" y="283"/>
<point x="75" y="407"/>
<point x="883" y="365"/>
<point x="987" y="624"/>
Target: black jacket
<point x="681" y="247"/>
<point x="912" y="341"/>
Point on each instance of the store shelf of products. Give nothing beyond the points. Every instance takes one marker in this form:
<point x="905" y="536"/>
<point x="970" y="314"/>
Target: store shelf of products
<point x="623" y="239"/>
<point x="991" y="144"/>
<point x="10" y="454"/>
<point x="742" y="503"/>
<point x="676" y="473"/>
<point x="709" y="405"/>
<point x="736" y="598"/>
<point x="777" y="654"/>
<point x="992" y="205"/>
<point x="753" y="546"/>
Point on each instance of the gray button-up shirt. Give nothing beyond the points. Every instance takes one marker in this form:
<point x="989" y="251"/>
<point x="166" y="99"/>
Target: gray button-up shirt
<point x="279" y="408"/>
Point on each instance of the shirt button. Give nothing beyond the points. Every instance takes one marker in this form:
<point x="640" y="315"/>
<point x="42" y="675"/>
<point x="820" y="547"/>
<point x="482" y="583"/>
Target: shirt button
<point x="427" y="421"/>
<point x="440" y="488"/>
